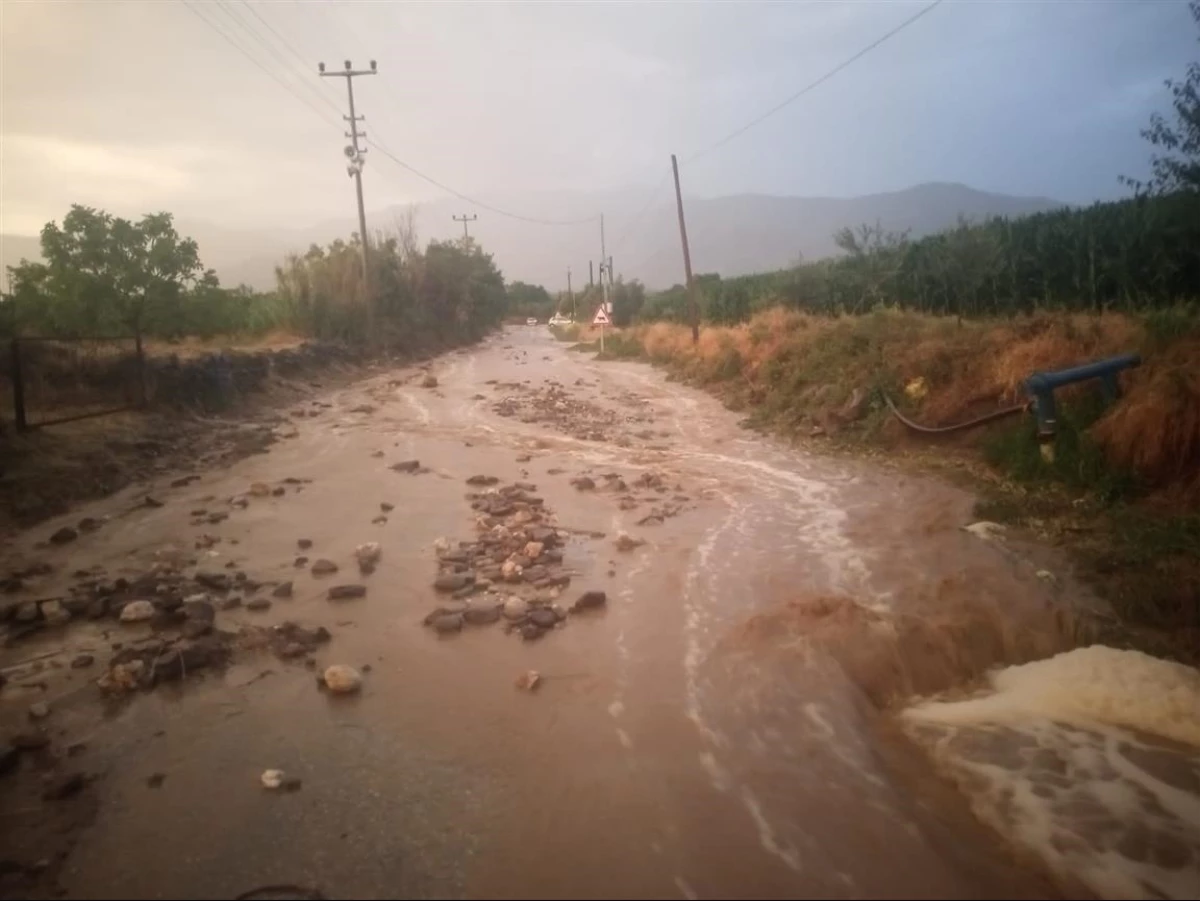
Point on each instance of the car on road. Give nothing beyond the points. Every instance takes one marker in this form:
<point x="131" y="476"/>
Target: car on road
<point x="531" y="321"/>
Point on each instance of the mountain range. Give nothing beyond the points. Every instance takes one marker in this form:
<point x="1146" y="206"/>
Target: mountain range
<point x="731" y="235"/>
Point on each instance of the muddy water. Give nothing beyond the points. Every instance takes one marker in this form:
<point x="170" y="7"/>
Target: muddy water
<point x="701" y="738"/>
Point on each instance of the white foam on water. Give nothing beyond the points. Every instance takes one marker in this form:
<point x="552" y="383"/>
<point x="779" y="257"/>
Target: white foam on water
<point x="1096" y="684"/>
<point x="684" y="889"/>
<point x="1047" y="759"/>
<point x="766" y="835"/>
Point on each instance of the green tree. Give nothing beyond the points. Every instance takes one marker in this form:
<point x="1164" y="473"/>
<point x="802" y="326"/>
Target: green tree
<point x="107" y="274"/>
<point x="529" y="300"/>
<point x="627" y="300"/>
<point x="1177" y="166"/>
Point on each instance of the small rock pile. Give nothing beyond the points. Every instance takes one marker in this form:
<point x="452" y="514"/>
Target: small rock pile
<point x="553" y="405"/>
<point x="513" y="572"/>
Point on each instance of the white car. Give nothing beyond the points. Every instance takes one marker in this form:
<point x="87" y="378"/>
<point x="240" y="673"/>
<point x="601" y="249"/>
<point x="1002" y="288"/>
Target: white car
<point x="531" y="321"/>
<point x="559" y="319"/>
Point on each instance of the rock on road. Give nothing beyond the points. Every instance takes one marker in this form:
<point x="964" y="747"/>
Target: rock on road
<point x="634" y="769"/>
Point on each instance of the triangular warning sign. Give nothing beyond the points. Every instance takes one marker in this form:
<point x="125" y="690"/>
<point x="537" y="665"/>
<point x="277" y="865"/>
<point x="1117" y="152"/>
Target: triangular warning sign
<point x="601" y="317"/>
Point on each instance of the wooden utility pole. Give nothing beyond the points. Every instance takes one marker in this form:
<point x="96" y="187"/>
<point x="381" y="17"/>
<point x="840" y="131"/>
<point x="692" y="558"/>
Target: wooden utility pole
<point x="354" y="166"/>
<point x="604" y="285"/>
<point x="591" y="274"/>
<point x="693" y="312"/>
<point x="464" y="219"/>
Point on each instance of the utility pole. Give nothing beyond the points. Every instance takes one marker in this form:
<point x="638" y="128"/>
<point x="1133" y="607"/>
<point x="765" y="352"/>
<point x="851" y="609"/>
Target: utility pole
<point x="604" y="286"/>
<point x="687" y="257"/>
<point x="464" y="219"/>
<point x="591" y="275"/>
<point x="570" y="293"/>
<point x="354" y="166"/>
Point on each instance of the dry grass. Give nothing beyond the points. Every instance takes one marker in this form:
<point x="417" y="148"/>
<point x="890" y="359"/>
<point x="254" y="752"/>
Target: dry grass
<point x="1155" y="429"/>
<point x="806" y="367"/>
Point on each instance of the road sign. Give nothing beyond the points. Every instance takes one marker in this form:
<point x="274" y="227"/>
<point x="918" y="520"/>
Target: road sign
<point x="601" y="317"/>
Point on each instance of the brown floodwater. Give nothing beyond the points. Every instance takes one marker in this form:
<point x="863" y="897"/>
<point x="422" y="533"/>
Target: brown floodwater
<point x="726" y="727"/>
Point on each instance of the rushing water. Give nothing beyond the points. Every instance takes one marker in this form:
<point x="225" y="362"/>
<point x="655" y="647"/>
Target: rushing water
<point x="743" y="721"/>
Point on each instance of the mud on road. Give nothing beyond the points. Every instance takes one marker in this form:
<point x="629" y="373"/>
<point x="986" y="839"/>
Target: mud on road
<point x="528" y="625"/>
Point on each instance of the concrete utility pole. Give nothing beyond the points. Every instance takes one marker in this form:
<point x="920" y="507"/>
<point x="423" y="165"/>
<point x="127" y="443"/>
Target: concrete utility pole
<point x="591" y="275"/>
<point x="464" y="219"/>
<point x="570" y="293"/>
<point x="354" y="156"/>
<point x="687" y="257"/>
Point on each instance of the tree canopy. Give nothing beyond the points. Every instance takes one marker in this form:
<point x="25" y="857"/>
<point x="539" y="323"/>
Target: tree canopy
<point x="108" y="275"/>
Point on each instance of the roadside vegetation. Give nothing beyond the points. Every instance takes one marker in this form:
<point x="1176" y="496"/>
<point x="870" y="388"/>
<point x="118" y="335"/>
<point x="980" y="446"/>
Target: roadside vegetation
<point x="949" y="327"/>
<point x="108" y="276"/>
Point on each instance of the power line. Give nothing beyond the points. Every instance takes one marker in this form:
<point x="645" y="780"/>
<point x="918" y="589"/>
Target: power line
<point x="378" y="145"/>
<point x="629" y="229"/>
<point x="820" y="81"/>
<point x="244" y="25"/>
<point x="479" y="203"/>
<point x="240" y="49"/>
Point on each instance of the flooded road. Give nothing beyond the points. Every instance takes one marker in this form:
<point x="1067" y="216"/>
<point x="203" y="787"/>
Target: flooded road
<point x="725" y="727"/>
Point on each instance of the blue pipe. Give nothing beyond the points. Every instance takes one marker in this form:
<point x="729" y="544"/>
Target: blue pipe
<point x="1041" y="385"/>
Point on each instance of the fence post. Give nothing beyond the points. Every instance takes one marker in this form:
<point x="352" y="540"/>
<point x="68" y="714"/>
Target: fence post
<point x="18" y="388"/>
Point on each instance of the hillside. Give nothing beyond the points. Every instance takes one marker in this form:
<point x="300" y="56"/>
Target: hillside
<point x="731" y="235"/>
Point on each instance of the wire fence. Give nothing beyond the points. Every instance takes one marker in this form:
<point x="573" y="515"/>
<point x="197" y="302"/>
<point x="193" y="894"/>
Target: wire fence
<point x="47" y="381"/>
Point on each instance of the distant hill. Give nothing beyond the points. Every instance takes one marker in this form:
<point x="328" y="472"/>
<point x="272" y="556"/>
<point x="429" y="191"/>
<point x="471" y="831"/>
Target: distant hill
<point x="731" y="235"/>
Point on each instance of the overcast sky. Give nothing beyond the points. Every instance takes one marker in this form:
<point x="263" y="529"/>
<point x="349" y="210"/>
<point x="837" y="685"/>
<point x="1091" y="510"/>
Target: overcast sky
<point x="139" y="106"/>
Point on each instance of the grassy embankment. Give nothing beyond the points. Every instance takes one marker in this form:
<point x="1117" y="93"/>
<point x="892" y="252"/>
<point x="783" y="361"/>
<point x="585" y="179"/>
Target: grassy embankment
<point x="1123" y="493"/>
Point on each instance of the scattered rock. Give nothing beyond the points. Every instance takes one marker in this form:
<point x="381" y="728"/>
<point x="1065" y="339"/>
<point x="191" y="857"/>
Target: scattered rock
<point x="260" y="489"/>
<point x="584" y="483"/>
<point x="531" y="631"/>
<point x="152" y="502"/>
<point x="481" y="616"/>
<point x="368" y="555"/>
<point x="447" y="623"/>
<point x="544" y="617"/>
<point x="195" y="628"/>
<point x="529" y="680"/>
<point x="985" y="530"/>
<point x="28" y="612"/>
<point x="300" y="561"/>
<point x="590" y="600"/>
<point x="342" y="679"/>
<point x="409" y="466"/>
<point x="39" y="710"/>
<point x="627" y="542"/>
<point x="54" y="613"/>
<point x="516" y="608"/>
<point x="386" y="507"/>
<point x="430" y="381"/>
<point x="324" y="567"/>
<point x="483" y="480"/>
<point x="347" y="592"/>
<point x="64" y="535"/>
<point x="533" y="550"/>
<point x="258" y="604"/>
<point x="137" y="612"/>
<point x="272" y="779"/>
<point x="282" y="590"/>
<point x="304" y="543"/>
<point x="453" y="581"/>
<point x="524" y="458"/>
<point x="155" y="780"/>
<point x="65" y="787"/>
<point x="82" y="661"/>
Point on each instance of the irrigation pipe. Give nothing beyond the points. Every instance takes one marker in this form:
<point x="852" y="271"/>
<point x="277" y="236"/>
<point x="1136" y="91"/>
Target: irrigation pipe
<point x="958" y="427"/>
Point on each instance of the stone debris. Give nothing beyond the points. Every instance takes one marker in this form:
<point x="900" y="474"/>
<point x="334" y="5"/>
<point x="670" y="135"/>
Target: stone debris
<point x="529" y="680"/>
<point x="368" y="555"/>
<point x="324" y="567"/>
<point x="347" y="592"/>
<point x="342" y="679"/>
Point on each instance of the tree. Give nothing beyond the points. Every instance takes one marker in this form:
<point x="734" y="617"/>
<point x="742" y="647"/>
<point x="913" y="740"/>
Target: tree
<point x="627" y="300"/>
<point x="1177" y="167"/>
<point x="107" y="274"/>
<point x="529" y="300"/>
